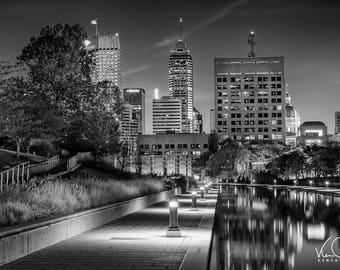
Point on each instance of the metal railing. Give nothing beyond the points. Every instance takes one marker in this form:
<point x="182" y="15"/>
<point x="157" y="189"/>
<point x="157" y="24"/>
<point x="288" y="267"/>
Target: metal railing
<point x="45" y="166"/>
<point x="16" y="175"/>
<point x="72" y="163"/>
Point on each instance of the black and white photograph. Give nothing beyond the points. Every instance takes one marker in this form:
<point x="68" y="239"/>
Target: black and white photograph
<point x="170" y="135"/>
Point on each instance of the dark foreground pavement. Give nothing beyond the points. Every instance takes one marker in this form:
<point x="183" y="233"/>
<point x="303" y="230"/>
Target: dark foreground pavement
<point x="136" y="241"/>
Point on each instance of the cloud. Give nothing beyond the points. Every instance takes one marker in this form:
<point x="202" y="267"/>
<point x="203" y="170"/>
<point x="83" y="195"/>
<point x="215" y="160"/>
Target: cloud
<point x="136" y="69"/>
<point x="203" y="24"/>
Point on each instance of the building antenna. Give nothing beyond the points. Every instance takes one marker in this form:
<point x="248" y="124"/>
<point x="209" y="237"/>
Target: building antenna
<point x="180" y="28"/>
<point x="95" y="22"/>
<point x="252" y="42"/>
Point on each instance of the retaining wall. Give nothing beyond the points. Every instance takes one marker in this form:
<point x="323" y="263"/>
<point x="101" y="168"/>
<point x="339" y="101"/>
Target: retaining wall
<point x="20" y="241"/>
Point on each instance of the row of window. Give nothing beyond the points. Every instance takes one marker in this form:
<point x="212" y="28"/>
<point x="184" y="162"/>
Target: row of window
<point x="250" y="108"/>
<point x="250" y="122"/>
<point x="250" y="79"/>
<point x="171" y="146"/>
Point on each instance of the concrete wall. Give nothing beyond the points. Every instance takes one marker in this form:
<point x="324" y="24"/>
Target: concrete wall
<point x="20" y="241"/>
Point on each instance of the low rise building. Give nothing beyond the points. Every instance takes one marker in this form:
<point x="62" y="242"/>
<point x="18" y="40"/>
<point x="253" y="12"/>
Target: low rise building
<point x="168" y="154"/>
<point x="313" y="133"/>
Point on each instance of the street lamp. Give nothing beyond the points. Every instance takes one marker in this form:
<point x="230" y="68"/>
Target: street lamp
<point x="202" y="193"/>
<point x="173" y="229"/>
<point x="194" y="201"/>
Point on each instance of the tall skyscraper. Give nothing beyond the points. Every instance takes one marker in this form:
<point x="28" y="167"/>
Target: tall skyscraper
<point x="197" y="122"/>
<point x="136" y="98"/>
<point x="167" y="115"/>
<point x="181" y="80"/>
<point x="106" y="56"/>
<point x="337" y="123"/>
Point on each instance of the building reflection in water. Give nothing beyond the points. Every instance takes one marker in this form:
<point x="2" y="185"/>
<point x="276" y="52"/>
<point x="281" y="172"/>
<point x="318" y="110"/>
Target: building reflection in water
<point x="267" y="228"/>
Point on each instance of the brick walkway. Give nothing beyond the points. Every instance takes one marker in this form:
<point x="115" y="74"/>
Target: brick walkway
<point x="136" y="241"/>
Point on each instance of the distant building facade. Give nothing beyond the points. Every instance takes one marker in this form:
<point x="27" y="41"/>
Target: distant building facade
<point x="292" y="122"/>
<point x="337" y="123"/>
<point x="182" y="143"/>
<point x="168" y="154"/>
<point x="129" y="126"/>
<point x="313" y="132"/>
<point x="136" y="98"/>
<point x="212" y="119"/>
<point x="106" y="57"/>
<point x="197" y="122"/>
<point x="250" y="98"/>
<point x="167" y="115"/>
<point x="181" y="81"/>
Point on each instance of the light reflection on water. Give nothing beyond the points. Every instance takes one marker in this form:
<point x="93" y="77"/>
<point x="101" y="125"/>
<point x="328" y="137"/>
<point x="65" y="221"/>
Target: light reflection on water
<point x="274" y="228"/>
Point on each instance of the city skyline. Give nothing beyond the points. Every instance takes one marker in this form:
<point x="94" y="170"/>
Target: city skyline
<point x="307" y="38"/>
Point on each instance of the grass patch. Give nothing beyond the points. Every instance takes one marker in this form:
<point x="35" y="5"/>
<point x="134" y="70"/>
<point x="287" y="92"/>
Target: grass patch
<point x="66" y="196"/>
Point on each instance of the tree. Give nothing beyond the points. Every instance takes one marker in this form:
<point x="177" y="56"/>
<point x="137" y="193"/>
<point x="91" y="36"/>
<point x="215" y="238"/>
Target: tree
<point x="15" y="120"/>
<point x="213" y="142"/>
<point x="59" y="82"/>
<point x="65" y="102"/>
<point x="224" y="159"/>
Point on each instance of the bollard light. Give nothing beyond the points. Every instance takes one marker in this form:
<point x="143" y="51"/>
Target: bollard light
<point x="295" y="182"/>
<point x="310" y="182"/>
<point x="275" y="181"/>
<point x="194" y="201"/>
<point x="173" y="230"/>
<point x="202" y="193"/>
<point x="327" y="183"/>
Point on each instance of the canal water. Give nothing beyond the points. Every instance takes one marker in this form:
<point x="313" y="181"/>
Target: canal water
<point x="275" y="228"/>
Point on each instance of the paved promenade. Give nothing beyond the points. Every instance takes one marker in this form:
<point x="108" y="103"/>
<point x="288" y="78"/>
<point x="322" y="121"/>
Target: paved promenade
<point x="136" y="241"/>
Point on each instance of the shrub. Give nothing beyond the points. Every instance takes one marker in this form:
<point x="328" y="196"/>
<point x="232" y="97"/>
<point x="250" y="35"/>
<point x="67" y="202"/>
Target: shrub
<point x="65" y="196"/>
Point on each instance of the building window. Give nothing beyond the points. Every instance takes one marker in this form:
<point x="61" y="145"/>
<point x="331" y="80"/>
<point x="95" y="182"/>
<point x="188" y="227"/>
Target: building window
<point x="166" y="146"/>
<point x="205" y="145"/>
<point x="193" y="146"/>
<point x="179" y="146"/>
<point x="172" y="146"/>
<point x="185" y="146"/>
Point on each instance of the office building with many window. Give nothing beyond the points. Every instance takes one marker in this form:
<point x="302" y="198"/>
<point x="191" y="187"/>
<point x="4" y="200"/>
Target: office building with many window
<point x="250" y="98"/>
<point x="337" y="123"/>
<point x="181" y="81"/>
<point x="106" y="57"/>
<point x="136" y="98"/>
<point x="167" y="115"/>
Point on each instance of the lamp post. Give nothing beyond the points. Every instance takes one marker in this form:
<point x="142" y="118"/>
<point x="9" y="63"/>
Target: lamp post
<point x="173" y="230"/>
<point x="202" y="193"/>
<point x="194" y="201"/>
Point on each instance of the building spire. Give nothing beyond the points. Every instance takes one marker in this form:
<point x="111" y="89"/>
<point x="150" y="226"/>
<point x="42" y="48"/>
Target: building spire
<point x="252" y="42"/>
<point x="180" y="28"/>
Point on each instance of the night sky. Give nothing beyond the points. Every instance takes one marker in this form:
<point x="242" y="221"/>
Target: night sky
<point x="305" y="32"/>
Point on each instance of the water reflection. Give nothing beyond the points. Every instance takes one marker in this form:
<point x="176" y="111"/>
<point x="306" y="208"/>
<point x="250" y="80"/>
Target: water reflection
<point x="271" y="228"/>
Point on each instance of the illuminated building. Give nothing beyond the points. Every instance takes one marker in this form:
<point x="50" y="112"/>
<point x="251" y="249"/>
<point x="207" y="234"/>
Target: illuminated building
<point x="106" y="58"/>
<point x="337" y="122"/>
<point x="129" y="126"/>
<point x="167" y="115"/>
<point x="167" y="154"/>
<point x="250" y="98"/>
<point x="136" y="98"/>
<point x="292" y="122"/>
<point x="313" y="132"/>
<point x="181" y="81"/>
<point x="197" y="122"/>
